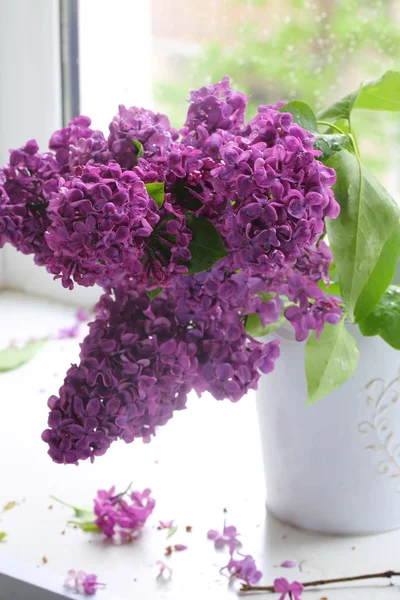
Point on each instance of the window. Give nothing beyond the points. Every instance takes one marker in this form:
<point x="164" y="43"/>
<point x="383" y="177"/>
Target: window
<point x="88" y="59"/>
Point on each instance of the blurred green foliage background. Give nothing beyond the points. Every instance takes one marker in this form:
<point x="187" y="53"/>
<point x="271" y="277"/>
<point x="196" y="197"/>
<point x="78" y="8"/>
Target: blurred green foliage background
<point x="315" y="51"/>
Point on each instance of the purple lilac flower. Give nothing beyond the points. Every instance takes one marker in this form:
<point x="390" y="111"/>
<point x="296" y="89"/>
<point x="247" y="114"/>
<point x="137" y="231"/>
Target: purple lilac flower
<point x="263" y="188"/>
<point x="244" y="568"/>
<point x="135" y="370"/>
<point x="315" y="262"/>
<point x="27" y="184"/>
<point x="99" y="223"/>
<point x="291" y="590"/>
<point x="68" y="332"/>
<point x="77" y="145"/>
<point x="152" y="130"/>
<point x="82" y="583"/>
<point x="212" y="108"/>
<point x="228" y="537"/>
<point x="116" y="515"/>
<point x="180" y="547"/>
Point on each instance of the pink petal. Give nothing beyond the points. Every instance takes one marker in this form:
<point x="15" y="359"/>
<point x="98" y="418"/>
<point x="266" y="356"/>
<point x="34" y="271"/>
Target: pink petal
<point x="213" y="534"/>
<point x="289" y="564"/>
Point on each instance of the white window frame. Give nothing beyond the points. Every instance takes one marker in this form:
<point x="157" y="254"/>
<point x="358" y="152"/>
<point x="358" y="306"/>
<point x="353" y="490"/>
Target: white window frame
<point x="31" y="93"/>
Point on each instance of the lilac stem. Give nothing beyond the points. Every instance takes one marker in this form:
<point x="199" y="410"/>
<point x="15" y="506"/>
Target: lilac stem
<point x="319" y="582"/>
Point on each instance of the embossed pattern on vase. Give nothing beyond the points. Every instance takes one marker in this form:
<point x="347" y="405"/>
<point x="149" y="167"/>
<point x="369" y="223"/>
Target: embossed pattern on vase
<point x="382" y="400"/>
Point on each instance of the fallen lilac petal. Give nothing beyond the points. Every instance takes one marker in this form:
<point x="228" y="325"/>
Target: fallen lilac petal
<point x="288" y="564"/>
<point x="68" y="332"/>
<point x="165" y="570"/>
<point x="82" y="316"/>
<point x="165" y="524"/>
<point x="180" y="547"/>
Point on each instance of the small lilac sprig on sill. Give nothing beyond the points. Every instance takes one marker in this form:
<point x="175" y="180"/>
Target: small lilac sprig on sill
<point x="243" y="568"/>
<point x="82" y="583"/>
<point x="228" y="537"/>
<point x="114" y="514"/>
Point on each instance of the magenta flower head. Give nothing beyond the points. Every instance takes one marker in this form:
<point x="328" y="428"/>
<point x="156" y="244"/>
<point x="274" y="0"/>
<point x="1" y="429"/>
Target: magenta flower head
<point x="123" y="514"/>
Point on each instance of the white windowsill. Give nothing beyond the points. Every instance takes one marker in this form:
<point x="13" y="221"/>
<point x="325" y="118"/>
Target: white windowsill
<point x="206" y="459"/>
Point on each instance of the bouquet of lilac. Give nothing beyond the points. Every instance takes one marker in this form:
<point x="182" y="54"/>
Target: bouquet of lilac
<point x="203" y="240"/>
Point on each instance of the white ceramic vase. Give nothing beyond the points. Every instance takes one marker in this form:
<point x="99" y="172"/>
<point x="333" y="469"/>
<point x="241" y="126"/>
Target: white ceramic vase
<point x="333" y="467"/>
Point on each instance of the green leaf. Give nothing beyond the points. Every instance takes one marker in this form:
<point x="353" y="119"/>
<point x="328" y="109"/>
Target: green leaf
<point x="364" y="237"/>
<point x="9" y="505"/>
<point x="381" y="94"/>
<point x="206" y="246"/>
<point x="154" y="293"/>
<point x="156" y="191"/>
<point x="3" y="536"/>
<point x="333" y="289"/>
<point x="384" y="320"/>
<point x="83" y="514"/>
<point x="139" y="149"/>
<point x="302" y="114"/>
<point x="339" y="110"/>
<point x="12" y="358"/>
<point x="331" y="144"/>
<point x="172" y="530"/>
<point x="329" y="361"/>
<point x="384" y="271"/>
<point x="85" y="525"/>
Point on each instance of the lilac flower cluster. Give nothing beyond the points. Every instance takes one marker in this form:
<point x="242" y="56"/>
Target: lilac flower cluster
<point x="116" y="515"/>
<point x="85" y="211"/>
<point x="99" y="224"/>
<point x="141" y="359"/>
<point x="26" y="185"/>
